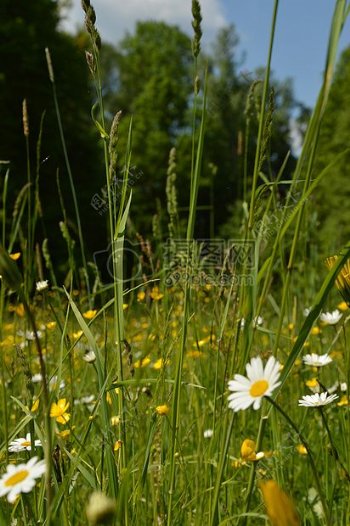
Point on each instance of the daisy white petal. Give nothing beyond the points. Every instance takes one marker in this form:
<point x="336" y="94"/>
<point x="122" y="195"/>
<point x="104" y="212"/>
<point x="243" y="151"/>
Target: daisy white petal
<point x="331" y="318"/>
<point x="260" y="382"/>
<point x="317" y="400"/>
<point x="317" y="360"/>
<point x="21" y="478"/>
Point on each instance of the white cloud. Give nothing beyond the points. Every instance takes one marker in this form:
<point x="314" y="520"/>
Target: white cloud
<point x="115" y="17"/>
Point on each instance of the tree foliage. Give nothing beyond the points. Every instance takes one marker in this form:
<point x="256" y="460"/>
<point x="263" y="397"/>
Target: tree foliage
<point x="26" y="29"/>
<point x="333" y="194"/>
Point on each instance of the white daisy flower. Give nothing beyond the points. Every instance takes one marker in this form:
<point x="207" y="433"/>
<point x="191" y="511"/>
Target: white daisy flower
<point x="331" y="318"/>
<point x="306" y="312"/>
<point x="89" y="356"/>
<point x="23" y="444"/>
<point x="258" y="320"/>
<point x="260" y="382"/>
<point x="21" y="478"/>
<point x="36" y="378"/>
<point x="208" y="433"/>
<point x="29" y="335"/>
<point x="317" y="400"/>
<point x="317" y="360"/>
<point x="88" y="400"/>
<point x="42" y="285"/>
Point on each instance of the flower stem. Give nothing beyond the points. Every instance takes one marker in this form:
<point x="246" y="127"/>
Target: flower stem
<point x="333" y="446"/>
<point x="259" y="440"/>
<point x="310" y="456"/>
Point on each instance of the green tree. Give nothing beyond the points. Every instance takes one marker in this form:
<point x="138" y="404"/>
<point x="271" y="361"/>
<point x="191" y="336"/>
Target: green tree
<point x="149" y="77"/>
<point x="26" y="29"/>
<point x="333" y="195"/>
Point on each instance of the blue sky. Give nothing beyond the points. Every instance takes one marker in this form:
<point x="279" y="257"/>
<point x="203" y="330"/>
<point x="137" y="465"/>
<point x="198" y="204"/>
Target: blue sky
<point x="301" y="38"/>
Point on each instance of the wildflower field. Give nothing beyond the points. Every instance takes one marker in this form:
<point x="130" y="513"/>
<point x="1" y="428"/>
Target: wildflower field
<point x="195" y="381"/>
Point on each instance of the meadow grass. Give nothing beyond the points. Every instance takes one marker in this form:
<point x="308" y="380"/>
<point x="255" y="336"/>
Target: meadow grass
<point x="126" y="386"/>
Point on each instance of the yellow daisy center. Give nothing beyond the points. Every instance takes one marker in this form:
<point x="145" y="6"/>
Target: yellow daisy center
<point x="25" y="443"/>
<point x="17" y="478"/>
<point x="259" y="388"/>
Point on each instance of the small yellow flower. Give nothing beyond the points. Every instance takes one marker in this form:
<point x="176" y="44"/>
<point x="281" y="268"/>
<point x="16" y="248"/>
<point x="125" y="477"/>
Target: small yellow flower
<point x="315" y="331"/>
<point x="19" y="310"/>
<point x="301" y="449"/>
<point x="89" y="314"/>
<point x="158" y="364"/>
<point x="343" y="306"/>
<point x="279" y="506"/>
<point x="291" y="326"/>
<point x="59" y="411"/>
<point x="35" y="406"/>
<point x="141" y="295"/>
<point x="109" y="398"/>
<point x="155" y="294"/>
<point x="118" y="445"/>
<point x="51" y="325"/>
<point x="125" y="306"/>
<point x="248" y="451"/>
<point x="143" y="362"/>
<point x="205" y="340"/>
<point x="77" y="334"/>
<point x="312" y="383"/>
<point x="15" y="256"/>
<point x="163" y="410"/>
<point x="115" y="420"/>
<point x="63" y="434"/>
<point x="343" y="401"/>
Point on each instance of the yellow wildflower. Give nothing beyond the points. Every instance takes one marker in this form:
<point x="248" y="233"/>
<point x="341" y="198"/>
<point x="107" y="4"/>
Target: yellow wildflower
<point x="279" y="506"/>
<point x="343" y="401"/>
<point x="35" y="406"/>
<point x="163" y="410"/>
<point x="51" y="325"/>
<point x="159" y="364"/>
<point x="118" y="445"/>
<point x="315" y="331"/>
<point x="301" y="449"/>
<point x="312" y="383"/>
<point x="15" y="256"/>
<point x="59" y="411"/>
<point x="155" y="294"/>
<point x="143" y="362"/>
<point x="141" y="295"/>
<point x="343" y="306"/>
<point x="89" y="314"/>
<point x="19" y="310"/>
<point x="248" y="451"/>
<point x="63" y="434"/>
